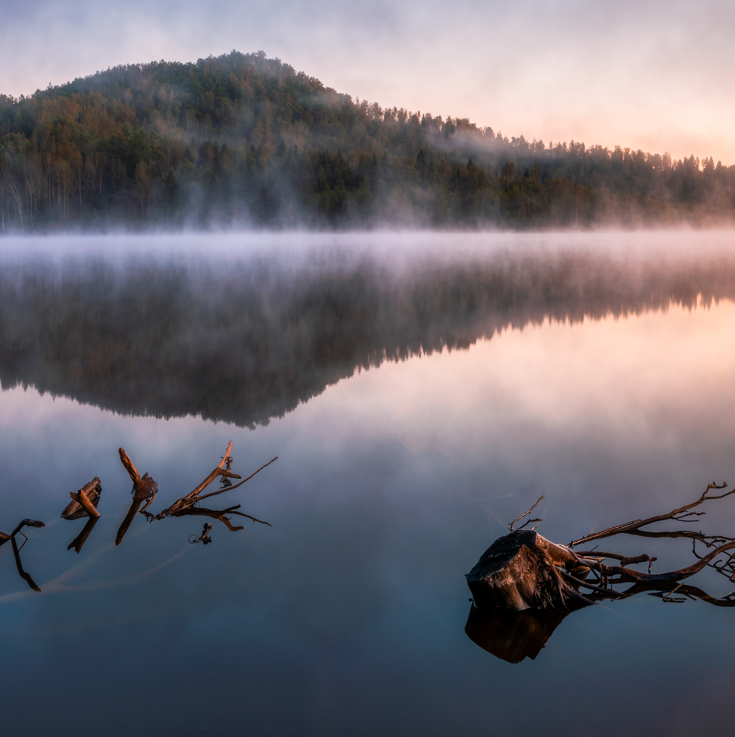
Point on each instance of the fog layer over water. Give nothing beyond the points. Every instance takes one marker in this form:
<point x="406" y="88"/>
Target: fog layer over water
<point x="419" y="397"/>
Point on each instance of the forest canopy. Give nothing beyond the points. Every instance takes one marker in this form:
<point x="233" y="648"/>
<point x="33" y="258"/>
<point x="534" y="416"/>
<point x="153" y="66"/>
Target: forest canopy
<point x="242" y="140"/>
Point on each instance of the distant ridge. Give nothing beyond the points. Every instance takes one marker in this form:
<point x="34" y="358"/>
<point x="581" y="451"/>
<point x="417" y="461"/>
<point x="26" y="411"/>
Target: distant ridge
<point x="243" y="140"/>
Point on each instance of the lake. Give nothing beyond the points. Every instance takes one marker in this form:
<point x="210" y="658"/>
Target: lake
<point x="420" y="391"/>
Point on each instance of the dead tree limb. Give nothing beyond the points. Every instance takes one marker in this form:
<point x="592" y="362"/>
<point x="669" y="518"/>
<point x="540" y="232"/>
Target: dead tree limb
<point x="81" y="497"/>
<point x="681" y="514"/>
<point x="525" y="514"/>
<point x="195" y="496"/>
<point x="244" y="481"/>
<point x="26" y="523"/>
<point x="88" y="496"/>
<point x="19" y="530"/>
<point x="144" y="490"/>
<point x="524" y="570"/>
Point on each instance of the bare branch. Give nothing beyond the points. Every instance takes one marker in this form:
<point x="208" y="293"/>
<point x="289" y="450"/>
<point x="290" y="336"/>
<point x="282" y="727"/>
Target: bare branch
<point x="680" y="515"/>
<point x="525" y="514"/>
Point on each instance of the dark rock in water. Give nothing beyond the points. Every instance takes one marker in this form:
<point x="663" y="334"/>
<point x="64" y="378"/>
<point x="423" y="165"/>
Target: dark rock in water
<point x="518" y="572"/>
<point x="513" y="636"/>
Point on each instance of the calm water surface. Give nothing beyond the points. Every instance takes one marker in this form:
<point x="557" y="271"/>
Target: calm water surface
<point x="420" y="392"/>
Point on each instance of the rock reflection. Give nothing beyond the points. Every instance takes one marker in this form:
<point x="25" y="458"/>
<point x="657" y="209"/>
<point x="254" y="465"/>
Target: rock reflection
<point x="524" y="585"/>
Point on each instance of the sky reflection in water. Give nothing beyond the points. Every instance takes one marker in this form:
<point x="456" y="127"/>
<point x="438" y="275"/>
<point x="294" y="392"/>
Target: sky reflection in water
<point x="348" y="615"/>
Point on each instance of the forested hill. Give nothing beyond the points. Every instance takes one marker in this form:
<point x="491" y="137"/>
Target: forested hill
<point x="243" y="140"/>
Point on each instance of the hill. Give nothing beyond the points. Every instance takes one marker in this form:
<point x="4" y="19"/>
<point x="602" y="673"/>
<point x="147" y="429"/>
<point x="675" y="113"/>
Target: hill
<point x="242" y="140"/>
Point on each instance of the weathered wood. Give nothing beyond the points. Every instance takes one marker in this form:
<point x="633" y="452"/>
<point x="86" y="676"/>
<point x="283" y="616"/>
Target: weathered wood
<point x="221" y="515"/>
<point x="195" y="496"/>
<point x="19" y="529"/>
<point x="523" y="570"/>
<point x="680" y="514"/>
<point x="144" y="490"/>
<point x="26" y="523"/>
<point x="518" y="572"/>
<point x="81" y="497"/>
<point x="76" y="509"/>
<point x="129" y="517"/>
<point x="129" y="466"/>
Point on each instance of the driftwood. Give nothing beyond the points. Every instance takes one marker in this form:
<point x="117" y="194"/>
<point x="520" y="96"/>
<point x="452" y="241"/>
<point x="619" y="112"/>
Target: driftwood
<point x="84" y="502"/>
<point x="144" y="490"/>
<point x="187" y="505"/>
<point x="524" y="573"/>
<point x="16" y="550"/>
<point x="19" y="530"/>
<point x="523" y="570"/>
<point x="180" y="506"/>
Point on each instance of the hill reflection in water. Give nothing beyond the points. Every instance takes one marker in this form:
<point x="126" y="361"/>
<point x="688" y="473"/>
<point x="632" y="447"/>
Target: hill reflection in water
<point x="245" y="340"/>
<point x="349" y="614"/>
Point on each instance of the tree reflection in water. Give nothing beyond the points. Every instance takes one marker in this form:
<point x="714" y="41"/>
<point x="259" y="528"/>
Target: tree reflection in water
<point x="248" y="339"/>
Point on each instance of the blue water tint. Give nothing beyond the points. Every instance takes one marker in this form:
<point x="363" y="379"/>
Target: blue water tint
<point x="415" y="411"/>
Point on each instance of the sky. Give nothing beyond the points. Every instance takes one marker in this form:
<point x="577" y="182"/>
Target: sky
<point x="650" y="74"/>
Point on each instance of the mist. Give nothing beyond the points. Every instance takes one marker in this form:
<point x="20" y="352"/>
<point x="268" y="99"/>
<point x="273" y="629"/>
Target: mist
<point x="243" y="141"/>
<point x="245" y="328"/>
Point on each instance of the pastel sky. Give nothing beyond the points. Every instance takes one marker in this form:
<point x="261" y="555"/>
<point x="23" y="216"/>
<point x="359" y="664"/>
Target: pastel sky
<point x="649" y="74"/>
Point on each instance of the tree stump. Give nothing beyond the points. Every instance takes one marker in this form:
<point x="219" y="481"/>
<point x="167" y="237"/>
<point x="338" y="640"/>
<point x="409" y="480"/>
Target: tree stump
<point x="518" y="572"/>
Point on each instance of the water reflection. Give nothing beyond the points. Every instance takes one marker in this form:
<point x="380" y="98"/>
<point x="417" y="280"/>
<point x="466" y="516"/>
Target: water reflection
<point x="86" y="500"/>
<point x="145" y="489"/>
<point x="513" y="636"/>
<point x="4" y="538"/>
<point x="248" y="340"/>
<point x="351" y="608"/>
<point x="524" y="585"/>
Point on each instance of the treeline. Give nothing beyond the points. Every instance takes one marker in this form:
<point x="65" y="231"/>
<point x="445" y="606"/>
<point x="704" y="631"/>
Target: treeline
<point x="244" y="140"/>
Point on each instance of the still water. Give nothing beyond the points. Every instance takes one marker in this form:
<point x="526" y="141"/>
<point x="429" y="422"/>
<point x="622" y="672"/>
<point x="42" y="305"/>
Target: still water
<point x="420" y="392"/>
